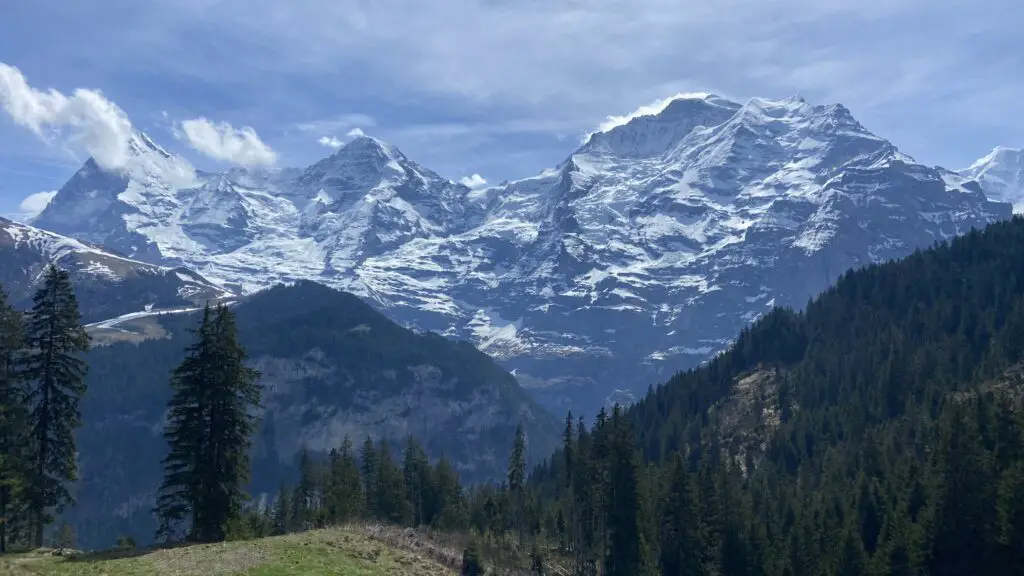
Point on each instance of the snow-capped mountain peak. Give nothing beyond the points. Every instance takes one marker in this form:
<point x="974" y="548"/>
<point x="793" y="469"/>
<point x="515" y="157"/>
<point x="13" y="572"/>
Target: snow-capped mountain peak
<point x="1001" y="174"/>
<point x="643" y="252"/>
<point x="654" y="134"/>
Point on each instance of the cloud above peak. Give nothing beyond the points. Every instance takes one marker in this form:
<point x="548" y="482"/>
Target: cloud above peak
<point x="85" y="121"/>
<point x="656" y="107"/>
<point x="475" y="181"/>
<point x="33" y="204"/>
<point x="222" y="141"/>
<point x="356" y="132"/>
<point x="330" y="142"/>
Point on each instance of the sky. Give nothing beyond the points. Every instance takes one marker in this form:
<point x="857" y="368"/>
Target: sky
<point x="481" y="90"/>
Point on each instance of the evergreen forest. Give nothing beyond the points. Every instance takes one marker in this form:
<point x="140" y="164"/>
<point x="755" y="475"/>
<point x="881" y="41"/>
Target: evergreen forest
<point x="877" y="431"/>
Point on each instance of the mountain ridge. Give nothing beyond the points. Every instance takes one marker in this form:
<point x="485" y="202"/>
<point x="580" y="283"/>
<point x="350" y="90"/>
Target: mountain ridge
<point x="107" y="284"/>
<point x="648" y="247"/>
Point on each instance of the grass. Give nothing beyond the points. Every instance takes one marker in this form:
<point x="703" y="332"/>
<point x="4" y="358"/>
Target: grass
<point x="317" y="553"/>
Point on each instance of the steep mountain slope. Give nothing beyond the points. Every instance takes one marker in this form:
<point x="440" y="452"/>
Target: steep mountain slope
<point x="879" y="431"/>
<point x="106" y="284"/>
<point x="332" y="366"/>
<point x="1001" y="175"/>
<point x="641" y="254"/>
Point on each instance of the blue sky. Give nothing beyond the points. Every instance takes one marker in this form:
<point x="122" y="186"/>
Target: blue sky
<point x="501" y="88"/>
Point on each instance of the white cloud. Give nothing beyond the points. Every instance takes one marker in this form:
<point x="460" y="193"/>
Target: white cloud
<point x="85" y="121"/>
<point x="466" y="61"/>
<point x="33" y="204"/>
<point x="356" y="132"/>
<point x="651" y="109"/>
<point x="221" y="141"/>
<point x="475" y="181"/>
<point x="330" y="142"/>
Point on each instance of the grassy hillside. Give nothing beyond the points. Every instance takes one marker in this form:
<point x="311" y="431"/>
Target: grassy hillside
<point x="318" y="553"/>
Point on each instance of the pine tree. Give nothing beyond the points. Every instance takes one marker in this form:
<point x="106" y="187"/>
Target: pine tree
<point x="209" y="431"/>
<point x="451" y="512"/>
<point x="517" y="483"/>
<point x="418" y="484"/>
<point x="680" y="523"/>
<point x="13" y="422"/>
<point x="389" y="487"/>
<point x="852" y="559"/>
<point x="281" y="516"/>
<point x="55" y="376"/>
<point x="627" y="553"/>
<point x="304" y="496"/>
<point x="568" y="479"/>
<point x="345" y="489"/>
<point x="369" y="473"/>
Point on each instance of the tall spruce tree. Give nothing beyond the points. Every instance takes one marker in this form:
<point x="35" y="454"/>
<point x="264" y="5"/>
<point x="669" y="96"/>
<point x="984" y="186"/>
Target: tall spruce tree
<point x="680" y="523"/>
<point x="344" y="493"/>
<point x="627" y="553"/>
<point x="13" y="422"/>
<point x="368" y="466"/>
<point x="517" y="483"/>
<point x="209" y="429"/>
<point x="54" y="375"/>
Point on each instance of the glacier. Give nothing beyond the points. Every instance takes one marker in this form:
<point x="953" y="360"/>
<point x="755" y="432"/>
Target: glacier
<point x="642" y="253"/>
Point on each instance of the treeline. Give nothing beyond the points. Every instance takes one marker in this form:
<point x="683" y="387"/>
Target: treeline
<point x="209" y="425"/>
<point x="877" y="432"/>
<point x="41" y="385"/>
<point x="379" y="482"/>
<point x="920" y="496"/>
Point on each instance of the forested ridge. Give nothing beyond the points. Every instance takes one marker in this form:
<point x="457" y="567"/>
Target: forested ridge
<point x="879" y="431"/>
<point x="882" y="434"/>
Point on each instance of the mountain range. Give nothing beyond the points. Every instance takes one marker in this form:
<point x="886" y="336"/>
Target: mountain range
<point x="642" y="253"/>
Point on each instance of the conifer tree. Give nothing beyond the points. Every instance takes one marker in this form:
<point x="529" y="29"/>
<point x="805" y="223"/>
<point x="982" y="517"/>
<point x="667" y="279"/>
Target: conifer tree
<point x="680" y="523"/>
<point x="418" y="489"/>
<point x="369" y="472"/>
<point x="13" y="422"/>
<point x="450" y="513"/>
<point x="345" y="494"/>
<point x="627" y="553"/>
<point x="517" y="483"/>
<point x="281" y="516"/>
<point x="209" y="430"/>
<point x="304" y="496"/>
<point x="389" y="487"/>
<point x="55" y="377"/>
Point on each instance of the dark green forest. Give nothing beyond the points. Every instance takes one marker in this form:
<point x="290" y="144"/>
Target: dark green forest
<point x="877" y="431"/>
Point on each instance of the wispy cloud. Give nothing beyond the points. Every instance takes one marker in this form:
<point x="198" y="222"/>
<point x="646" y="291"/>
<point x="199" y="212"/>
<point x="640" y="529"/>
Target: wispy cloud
<point x="222" y="141"/>
<point x="356" y="132"/>
<point x="85" y="121"/>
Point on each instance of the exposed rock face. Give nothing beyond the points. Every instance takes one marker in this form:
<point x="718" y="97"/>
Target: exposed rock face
<point x="642" y="253"/>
